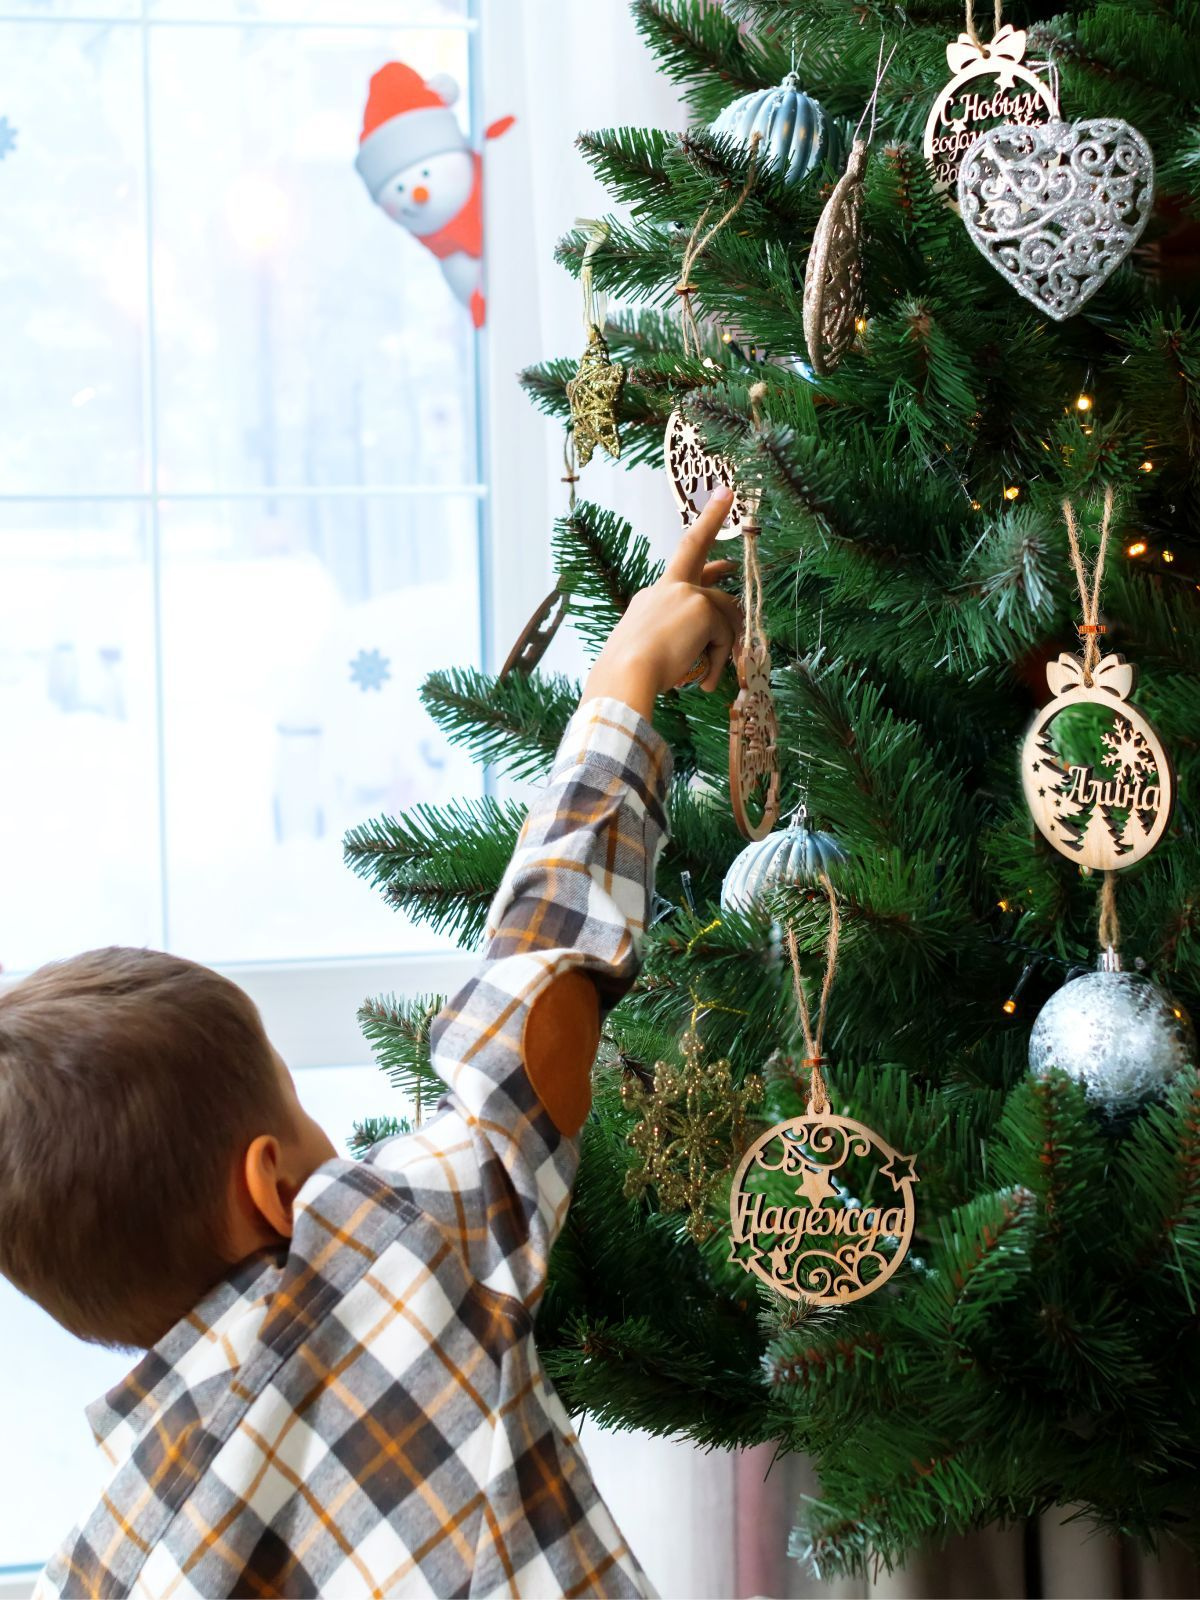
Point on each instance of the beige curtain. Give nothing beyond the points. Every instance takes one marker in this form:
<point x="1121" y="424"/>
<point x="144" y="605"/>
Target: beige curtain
<point x="709" y="1524"/>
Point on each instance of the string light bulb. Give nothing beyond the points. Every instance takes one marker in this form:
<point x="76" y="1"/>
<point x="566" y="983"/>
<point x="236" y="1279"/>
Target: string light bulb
<point x="1084" y="403"/>
<point x="1012" y="492"/>
<point x="1146" y="466"/>
<point x="1137" y="548"/>
<point x="1009" y="1006"/>
<point x="1168" y="556"/>
<point x="860" y="324"/>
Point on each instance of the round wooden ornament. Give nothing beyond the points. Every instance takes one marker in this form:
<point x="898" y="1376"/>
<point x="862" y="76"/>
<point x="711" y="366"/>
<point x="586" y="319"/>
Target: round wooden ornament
<point x="1098" y="782"/>
<point x="694" y="472"/>
<point x="968" y="105"/>
<point x="811" y="1239"/>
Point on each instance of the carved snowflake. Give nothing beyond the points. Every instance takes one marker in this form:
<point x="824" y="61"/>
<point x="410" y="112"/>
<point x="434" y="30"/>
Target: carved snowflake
<point x="692" y="1131"/>
<point x="1129" y="756"/>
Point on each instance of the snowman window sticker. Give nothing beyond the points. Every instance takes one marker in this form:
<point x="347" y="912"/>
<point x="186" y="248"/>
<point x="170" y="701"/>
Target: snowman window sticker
<point x="419" y="169"/>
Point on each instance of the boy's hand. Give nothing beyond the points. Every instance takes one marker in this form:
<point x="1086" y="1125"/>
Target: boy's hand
<point x="667" y="626"/>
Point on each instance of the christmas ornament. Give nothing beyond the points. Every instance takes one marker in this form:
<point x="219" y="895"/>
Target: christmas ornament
<point x="833" y="300"/>
<point x="797" y="853"/>
<point x="1096" y="777"/>
<point x="370" y="669"/>
<point x="419" y="169"/>
<point x="796" y="1221"/>
<point x="1116" y="1033"/>
<point x="798" y="138"/>
<point x="593" y="394"/>
<point x="694" y="471"/>
<point x="596" y="387"/>
<point x="1056" y="209"/>
<point x="693" y="1123"/>
<point x="968" y="104"/>
<point x="753" y="725"/>
<point x="535" y="637"/>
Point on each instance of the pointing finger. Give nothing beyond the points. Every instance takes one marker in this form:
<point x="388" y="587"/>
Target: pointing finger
<point x="688" y="561"/>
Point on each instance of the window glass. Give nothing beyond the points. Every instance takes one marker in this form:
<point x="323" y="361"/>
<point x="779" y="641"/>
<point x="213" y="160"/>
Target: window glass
<point x="296" y="635"/>
<point x="79" y="807"/>
<point x="302" y="337"/>
<point x="72" y="259"/>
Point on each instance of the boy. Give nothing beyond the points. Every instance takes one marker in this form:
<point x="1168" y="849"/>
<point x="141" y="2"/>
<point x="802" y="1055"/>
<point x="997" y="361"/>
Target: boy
<point x="341" y="1393"/>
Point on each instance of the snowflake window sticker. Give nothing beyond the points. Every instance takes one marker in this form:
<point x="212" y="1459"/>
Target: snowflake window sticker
<point x="8" y="138"/>
<point x="1097" y="779"/>
<point x="370" y="669"/>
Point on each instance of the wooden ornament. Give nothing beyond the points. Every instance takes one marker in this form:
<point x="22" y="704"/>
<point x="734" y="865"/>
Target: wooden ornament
<point x="809" y="1239"/>
<point x="833" y="300"/>
<point x="969" y="104"/>
<point x="694" y="472"/>
<point x="534" y="638"/>
<point x="753" y="742"/>
<point x="1098" y="783"/>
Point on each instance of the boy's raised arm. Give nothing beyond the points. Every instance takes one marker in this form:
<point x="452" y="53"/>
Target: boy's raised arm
<point x="564" y="934"/>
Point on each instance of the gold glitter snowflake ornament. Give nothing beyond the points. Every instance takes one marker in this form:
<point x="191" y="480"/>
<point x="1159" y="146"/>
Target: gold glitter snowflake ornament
<point x="692" y="1130"/>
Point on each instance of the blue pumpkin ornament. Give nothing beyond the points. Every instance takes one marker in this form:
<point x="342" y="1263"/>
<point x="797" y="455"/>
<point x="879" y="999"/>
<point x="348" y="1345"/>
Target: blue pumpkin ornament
<point x="795" y="854"/>
<point x="797" y="136"/>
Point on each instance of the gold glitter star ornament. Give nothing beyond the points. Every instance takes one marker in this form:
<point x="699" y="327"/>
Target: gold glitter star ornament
<point x="692" y="1130"/>
<point x="593" y="394"/>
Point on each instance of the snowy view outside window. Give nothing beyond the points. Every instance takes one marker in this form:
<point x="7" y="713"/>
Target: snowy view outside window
<point x="240" y="509"/>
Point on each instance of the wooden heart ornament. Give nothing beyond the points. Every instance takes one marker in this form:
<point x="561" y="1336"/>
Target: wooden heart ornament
<point x="1057" y="207"/>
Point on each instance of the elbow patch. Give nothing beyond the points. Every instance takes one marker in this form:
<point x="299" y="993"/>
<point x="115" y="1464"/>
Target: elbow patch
<point x="562" y="1033"/>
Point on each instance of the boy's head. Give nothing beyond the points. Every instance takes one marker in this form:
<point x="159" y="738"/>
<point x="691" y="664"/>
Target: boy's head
<point x="150" y="1137"/>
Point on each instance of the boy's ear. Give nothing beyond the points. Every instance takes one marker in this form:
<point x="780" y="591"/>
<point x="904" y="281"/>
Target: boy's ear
<point x="266" y="1184"/>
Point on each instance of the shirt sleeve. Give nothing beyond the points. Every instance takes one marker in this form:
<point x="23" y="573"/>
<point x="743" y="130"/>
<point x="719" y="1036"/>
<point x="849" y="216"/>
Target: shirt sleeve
<point x="574" y="898"/>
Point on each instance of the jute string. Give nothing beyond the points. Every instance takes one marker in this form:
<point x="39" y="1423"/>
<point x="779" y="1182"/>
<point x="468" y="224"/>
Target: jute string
<point x="1109" y="928"/>
<point x="699" y="243"/>
<point x="1089" y="584"/>
<point x="814" y="1038"/>
<point x="754" y="636"/>
<point x="996" y="17"/>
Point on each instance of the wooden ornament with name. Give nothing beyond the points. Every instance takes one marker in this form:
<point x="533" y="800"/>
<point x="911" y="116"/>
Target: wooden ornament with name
<point x="810" y="1239"/>
<point x="1103" y="794"/>
<point x="695" y="471"/>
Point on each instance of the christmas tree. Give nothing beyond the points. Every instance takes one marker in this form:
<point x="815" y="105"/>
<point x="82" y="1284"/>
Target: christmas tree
<point x="1038" y="1346"/>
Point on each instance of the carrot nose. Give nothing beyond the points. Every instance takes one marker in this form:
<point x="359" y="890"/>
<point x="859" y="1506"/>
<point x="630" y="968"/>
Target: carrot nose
<point x="420" y="194"/>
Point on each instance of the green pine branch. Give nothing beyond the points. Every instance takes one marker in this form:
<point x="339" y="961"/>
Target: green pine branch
<point x="512" y="723"/>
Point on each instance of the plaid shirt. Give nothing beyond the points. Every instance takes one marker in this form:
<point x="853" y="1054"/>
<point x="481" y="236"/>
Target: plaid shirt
<point x="368" y="1414"/>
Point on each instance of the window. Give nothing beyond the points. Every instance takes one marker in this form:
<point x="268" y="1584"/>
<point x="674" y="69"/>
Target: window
<point x="241" y="516"/>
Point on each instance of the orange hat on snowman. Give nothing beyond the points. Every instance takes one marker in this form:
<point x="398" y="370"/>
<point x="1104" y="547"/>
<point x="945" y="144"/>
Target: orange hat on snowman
<point x="408" y="119"/>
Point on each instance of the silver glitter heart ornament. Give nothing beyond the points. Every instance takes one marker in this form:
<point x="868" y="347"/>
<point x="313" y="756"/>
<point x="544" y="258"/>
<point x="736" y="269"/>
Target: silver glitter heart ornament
<point x="1057" y="207"/>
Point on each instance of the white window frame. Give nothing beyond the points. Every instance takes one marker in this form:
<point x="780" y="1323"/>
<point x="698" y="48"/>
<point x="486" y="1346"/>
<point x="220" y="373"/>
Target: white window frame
<point x="309" y="1007"/>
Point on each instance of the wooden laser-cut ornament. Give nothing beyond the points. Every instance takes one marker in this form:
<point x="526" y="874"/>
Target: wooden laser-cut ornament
<point x="753" y="722"/>
<point x="534" y="638"/>
<point x="1109" y="811"/>
<point x="811" y="1240"/>
<point x="694" y="471"/>
<point x="969" y="104"/>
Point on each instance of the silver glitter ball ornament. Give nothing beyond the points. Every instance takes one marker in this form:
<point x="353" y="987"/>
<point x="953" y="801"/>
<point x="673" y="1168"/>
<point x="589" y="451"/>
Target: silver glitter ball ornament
<point x="1056" y="207"/>
<point x="797" y="853"/>
<point x="796" y="135"/>
<point x="1116" y="1033"/>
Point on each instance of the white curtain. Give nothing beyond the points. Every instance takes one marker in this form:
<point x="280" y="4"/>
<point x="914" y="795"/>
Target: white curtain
<point x="716" y="1523"/>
